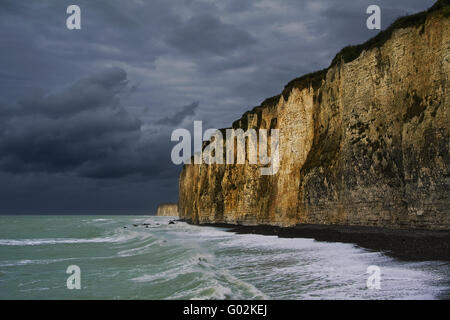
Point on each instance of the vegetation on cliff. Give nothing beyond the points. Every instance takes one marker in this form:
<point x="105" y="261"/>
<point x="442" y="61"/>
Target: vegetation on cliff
<point x="351" y="52"/>
<point x="363" y="142"/>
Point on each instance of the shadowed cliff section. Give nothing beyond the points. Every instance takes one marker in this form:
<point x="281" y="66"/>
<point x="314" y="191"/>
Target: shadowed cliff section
<point x="364" y="142"/>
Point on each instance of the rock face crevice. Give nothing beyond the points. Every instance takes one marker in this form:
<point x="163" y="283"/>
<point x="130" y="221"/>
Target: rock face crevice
<point x="364" y="142"/>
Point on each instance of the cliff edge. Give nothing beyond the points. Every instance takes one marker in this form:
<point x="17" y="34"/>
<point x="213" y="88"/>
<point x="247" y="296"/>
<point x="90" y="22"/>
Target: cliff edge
<point x="364" y="142"/>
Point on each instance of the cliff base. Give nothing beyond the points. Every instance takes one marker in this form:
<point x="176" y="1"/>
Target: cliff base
<point x="404" y="244"/>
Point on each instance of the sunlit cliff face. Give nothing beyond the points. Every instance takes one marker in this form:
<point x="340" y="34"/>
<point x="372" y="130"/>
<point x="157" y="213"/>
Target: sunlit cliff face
<point x="365" y="145"/>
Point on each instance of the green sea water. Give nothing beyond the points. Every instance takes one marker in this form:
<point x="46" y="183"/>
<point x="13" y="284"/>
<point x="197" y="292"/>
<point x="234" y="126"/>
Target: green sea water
<point x="120" y="258"/>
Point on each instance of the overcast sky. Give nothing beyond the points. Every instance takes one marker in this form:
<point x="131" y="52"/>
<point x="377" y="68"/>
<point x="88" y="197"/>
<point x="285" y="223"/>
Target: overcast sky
<point x="86" y="115"/>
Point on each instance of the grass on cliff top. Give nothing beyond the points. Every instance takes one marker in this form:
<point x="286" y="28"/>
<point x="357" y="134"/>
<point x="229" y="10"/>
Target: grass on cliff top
<point x="348" y="54"/>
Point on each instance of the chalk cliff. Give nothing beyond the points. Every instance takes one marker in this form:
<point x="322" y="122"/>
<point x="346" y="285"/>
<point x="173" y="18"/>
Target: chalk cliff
<point x="167" y="209"/>
<point x="363" y="142"/>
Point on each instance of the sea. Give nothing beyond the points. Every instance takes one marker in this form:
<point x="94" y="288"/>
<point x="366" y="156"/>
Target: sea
<point x="148" y="257"/>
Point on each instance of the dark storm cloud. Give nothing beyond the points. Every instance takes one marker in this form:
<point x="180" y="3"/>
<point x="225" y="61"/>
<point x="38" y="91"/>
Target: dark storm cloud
<point x="206" y="34"/>
<point x="178" y="117"/>
<point x="100" y="90"/>
<point x="86" y="115"/>
<point x="82" y="129"/>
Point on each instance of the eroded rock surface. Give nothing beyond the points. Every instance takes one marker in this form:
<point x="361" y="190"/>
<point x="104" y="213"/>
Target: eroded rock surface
<point x="167" y="209"/>
<point x="364" y="142"/>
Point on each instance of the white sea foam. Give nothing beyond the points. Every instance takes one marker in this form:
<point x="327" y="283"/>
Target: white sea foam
<point x="13" y="263"/>
<point x="37" y="242"/>
<point x="181" y="261"/>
